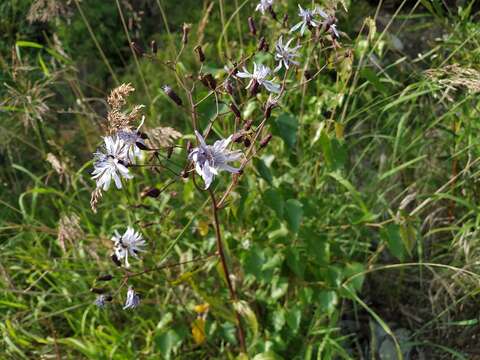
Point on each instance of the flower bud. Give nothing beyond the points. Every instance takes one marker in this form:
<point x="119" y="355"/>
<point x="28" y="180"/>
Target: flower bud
<point x="172" y="95"/>
<point x="255" y="88"/>
<point x="186" y="30"/>
<point x="264" y="142"/>
<point x="142" y="146"/>
<point x="150" y="192"/>
<point x="106" y="277"/>
<point x="209" y="81"/>
<point x="235" y="110"/>
<point x="248" y="125"/>
<point x="237" y="137"/>
<point x="251" y="26"/>
<point x="228" y="87"/>
<point x="262" y="45"/>
<point x="271" y="104"/>
<point x="272" y="13"/>
<point x="98" y="290"/>
<point x="200" y="54"/>
<point x="115" y="260"/>
<point x="153" y="47"/>
<point x="247" y="142"/>
<point x="189" y="147"/>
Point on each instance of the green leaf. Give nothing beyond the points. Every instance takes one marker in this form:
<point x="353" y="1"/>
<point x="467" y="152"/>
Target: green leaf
<point x="295" y="262"/>
<point x="355" y="271"/>
<point x="328" y="300"/>
<point x="391" y="234"/>
<point x="373" y="79"/>
<point x="294" y="316"/>
<point x="274" y="200"/>
<point x="166" y="342"/>
<point x="286" y="127"/>
<point x="269" y="355"/>
<point x="263" y="170"/>
<point x="293" y="214"/>
<point x="319" y="247"/>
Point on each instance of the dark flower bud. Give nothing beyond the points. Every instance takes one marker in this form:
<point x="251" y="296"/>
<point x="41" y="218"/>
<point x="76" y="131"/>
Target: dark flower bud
<point x="172" y="95"/>
<point x="262" y="45"/>
<point x="189" y="147"/>
<point x="184" y="174"/>
<point x="228" y="87"/>
<point x="108" y="298"/>
<point x="186" y="30"/>
<point x="153" y="47"/>
<point x="269" y="107"/>
<point x="141" y="146"/>
<point x="115" y="260"/>
<point x="251" y="26"/>
<point x="255" y="88"/>
<point x="247" y="142"/>
<point x="209" y="81"/>
<point x="200" y="54"/>
<point x="235" y="110"/>
<point x="248" y="125"/>
<point x="150" y="192"/>
<point x="309" y="74"/>
<point x="272" y="13"/>
<point x="106" y="277"/>
<point x="264" y="142"/>
<point x="98" y="290"/>
<point x="237" y="137"/>
<point x="137" y="48"/>
<point x="143" y="135"/>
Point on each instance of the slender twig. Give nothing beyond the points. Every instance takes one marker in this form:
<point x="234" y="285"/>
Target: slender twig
<point x="221" y="254"/>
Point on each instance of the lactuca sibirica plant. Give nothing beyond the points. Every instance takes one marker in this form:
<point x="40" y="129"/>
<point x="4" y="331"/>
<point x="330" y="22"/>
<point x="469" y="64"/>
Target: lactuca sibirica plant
<point x="224" y="146"/>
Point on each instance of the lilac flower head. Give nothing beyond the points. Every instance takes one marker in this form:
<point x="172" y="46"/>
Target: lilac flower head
<point x="100" y="301"/>
<point x="329" y="23"/>
<point x="209" y="160"/>
<point x="259" y="76"/>
<point x="285" y="54"/>
<point x="133" y="299"/>
<point x="130" y="243"/>
<point x="308" y="19"/>
<point x="110" y="163"/>
<point x="264" y="5"/>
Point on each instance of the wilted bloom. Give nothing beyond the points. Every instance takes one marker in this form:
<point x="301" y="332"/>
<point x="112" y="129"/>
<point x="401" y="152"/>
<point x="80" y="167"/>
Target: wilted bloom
<point x="329" y="23"/>
<point x="264" y="5"/>
<point x="133" y="299"/>
<point x="259" y="76"/>
<point x="110" y="164"/>
<point x="209" y="160"/>
<point x="307" y="19"/>
<point x="134" y="142"/>
<point x="285" y="54"/>
<point x="130" y="243"/>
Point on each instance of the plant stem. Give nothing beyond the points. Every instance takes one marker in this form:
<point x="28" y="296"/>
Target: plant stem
<point x="221" y="254"/>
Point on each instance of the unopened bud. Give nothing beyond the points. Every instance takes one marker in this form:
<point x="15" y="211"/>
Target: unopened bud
<point x="143" y="135"/>
<point x="200" y="54"/>
<point x="189" y="147"/>
<point x="115" y="260"/>
<point x="247" y="142"/>
<point x="153" y="47"/>
<point x="108" y="298"/>
<point x="309" y="74"/>
<point x="150" y="192"/>
<point x="251" y="26"/>
<point x="138" y="50"/>
<point x="235" y="110"/>
<point x="172" y="95"/>
<point x="272" y="13"/>
<point x="98" y="290"/>
<point x="269" y="107"/>
<point x="237" y="137"/>
<point x="248" y="125"/>
<point x="255" y="88"/>
<point x="142" y="146"/>
<point x="106" y="277"/>
<point x="209" y="81"/>
<point x="186" y="30"/>
<point x="228" y="87"/>
<point x="262" y="45"/>
<point x="264" y="142"/>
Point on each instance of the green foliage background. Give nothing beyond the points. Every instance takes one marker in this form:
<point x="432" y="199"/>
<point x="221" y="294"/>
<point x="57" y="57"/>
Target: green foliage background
<point x="354" y="235"/>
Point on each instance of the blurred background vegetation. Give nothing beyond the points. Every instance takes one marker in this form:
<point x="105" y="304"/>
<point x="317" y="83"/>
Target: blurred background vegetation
<point x="353" y="236"/>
